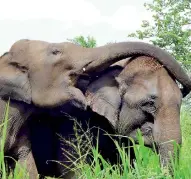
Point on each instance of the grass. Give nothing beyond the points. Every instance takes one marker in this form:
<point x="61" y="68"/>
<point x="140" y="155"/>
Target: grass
<point x="146" y="166"/>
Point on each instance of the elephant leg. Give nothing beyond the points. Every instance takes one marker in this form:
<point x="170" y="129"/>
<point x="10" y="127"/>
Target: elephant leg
<point x="29" y="163"/>
<point x="24" y="153"/>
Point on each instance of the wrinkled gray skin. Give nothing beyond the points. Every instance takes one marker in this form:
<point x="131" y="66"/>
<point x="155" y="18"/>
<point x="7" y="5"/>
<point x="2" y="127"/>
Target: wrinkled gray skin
<point x="46" y="74"/>
<point x="142" y="91"/>
<point x="18" y="145"/>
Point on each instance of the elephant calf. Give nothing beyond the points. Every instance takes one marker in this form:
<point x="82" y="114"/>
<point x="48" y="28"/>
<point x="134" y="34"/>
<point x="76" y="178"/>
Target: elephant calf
<point x="139" y="91"/>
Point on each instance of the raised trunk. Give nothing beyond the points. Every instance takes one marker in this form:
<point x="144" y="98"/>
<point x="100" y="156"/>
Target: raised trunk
<point x="98" y="59"/>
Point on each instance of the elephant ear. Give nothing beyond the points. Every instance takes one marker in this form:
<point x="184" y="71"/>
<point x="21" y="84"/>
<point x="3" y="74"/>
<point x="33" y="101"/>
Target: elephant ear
<point x="14" y="82"/>
<point x="103" y="95"/>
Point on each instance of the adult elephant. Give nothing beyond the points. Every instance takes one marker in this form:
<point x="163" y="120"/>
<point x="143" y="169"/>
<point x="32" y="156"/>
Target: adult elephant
<point x="46" y="74"/>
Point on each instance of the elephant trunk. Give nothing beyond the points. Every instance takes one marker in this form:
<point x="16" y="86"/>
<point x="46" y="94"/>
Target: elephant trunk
<point x="100" y="58"/>
<point x="167" y="134"/>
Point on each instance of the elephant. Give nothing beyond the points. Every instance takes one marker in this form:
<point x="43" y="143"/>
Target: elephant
<point x="49" y="75"/>
<point x="141" y="91"/>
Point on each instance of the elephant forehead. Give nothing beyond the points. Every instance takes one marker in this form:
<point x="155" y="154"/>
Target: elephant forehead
<point x="150" y="85"/>
<point x="26" y="44"/>
<point x="21" y="52"/>
<point x="29" y="46"/>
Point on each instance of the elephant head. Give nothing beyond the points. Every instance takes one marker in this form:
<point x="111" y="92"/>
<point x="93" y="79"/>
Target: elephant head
<point x="140" y="91"/>
<point x="46" y="74"/>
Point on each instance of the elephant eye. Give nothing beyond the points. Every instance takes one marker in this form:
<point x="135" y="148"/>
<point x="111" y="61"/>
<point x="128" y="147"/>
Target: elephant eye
<point x="148" y="103"/>
<point x="148" y="106"/>
<point x="56" y="52"/>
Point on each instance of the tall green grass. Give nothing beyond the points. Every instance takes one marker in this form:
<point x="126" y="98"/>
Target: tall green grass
<point x="146" y="165"/>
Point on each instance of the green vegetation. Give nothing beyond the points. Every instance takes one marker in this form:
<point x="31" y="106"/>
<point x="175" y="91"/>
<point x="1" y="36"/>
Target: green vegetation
<point x="170" y="27"/>
<point x="147" y="163"/>
<point x="88" y="42"/>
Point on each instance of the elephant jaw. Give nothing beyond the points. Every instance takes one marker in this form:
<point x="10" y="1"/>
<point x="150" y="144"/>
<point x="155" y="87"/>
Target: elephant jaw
<point x="63" y="99"/>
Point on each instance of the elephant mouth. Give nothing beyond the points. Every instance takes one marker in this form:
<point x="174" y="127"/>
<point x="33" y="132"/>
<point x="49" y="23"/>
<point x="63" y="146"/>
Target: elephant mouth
<point x="146" y="132"/>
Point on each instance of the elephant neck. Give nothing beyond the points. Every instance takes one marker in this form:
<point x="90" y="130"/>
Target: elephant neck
<point x="18" y="113"/>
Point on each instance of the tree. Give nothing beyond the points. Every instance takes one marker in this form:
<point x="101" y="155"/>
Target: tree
<point x="171" y="28"/>
<point x="90" y="42"/>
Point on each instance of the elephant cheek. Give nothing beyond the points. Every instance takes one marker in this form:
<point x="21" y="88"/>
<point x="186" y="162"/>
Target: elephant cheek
<point x="60" y="98"/>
